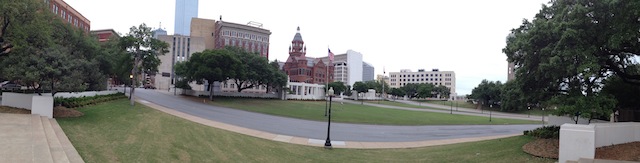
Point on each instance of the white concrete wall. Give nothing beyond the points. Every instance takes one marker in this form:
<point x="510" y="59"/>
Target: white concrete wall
<point x="580" y="141"/>
<point x="576" y="141"/>
<point x="17" y="100"/>
<point x="616" y="133"/>
<point x="42" y="105"/>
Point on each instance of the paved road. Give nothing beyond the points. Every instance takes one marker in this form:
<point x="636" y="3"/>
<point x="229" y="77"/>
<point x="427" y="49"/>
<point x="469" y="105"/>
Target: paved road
<point x="317" y="130"/>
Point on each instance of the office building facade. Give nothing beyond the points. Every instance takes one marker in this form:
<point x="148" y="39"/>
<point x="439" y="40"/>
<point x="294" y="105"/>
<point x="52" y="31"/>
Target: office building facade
<point x="367" y="72"/>
<point x="105" y="34"/>
<point x="347" y="67"/>
<point x="180" y="49"/>
<point x="185" y="10"/>
<point x="435" y="77"/>
<point x="252" y="37"/>
<point x="69" y="14"/>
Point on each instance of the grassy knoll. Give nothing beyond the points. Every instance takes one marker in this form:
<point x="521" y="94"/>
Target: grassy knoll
<point x="113" y="132"/>
<point x="354" y="113"/>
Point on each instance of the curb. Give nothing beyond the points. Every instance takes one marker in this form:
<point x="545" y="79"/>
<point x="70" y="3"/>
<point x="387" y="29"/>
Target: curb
<point x="316" y="142"/>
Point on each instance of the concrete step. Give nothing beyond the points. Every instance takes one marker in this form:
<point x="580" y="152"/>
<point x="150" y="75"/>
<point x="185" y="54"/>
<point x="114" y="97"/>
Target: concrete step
<point x="15" y="138"/>
<point x="57" y="153"/>
<point x="72" y="153"/>
<point x="40" y="146"/>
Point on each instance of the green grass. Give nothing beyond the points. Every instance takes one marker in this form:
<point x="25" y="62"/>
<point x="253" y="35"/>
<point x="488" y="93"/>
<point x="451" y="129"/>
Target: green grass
<point x="355" y="113"/>
<point x="113" y="132"/>
<point x="462" y="104"/>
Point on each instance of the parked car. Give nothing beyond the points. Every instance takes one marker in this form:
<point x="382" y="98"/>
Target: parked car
<point x="11" y="86"/>
<point x="149" y="86"/>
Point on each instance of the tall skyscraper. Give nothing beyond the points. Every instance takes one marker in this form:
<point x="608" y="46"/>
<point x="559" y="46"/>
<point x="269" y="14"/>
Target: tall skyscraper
<point x="185" y="10"/>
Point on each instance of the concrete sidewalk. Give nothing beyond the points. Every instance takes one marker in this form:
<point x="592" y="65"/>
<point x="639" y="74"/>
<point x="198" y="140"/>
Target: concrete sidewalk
<point x="315" y="142"/>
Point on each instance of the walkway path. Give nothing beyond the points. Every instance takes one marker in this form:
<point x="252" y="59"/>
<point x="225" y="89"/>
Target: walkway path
<point x="32" y="138"/>
<point x="314" y="131"/>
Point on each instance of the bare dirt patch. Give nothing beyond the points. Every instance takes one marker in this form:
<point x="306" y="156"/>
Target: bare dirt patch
<point x="548" y="148"/>
<point x="625" y="152"/>
<point x="63" y="112"/>
<point x="8" y="109"/>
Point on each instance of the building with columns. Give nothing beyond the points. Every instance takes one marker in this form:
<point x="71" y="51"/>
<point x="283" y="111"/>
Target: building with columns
<point x="301" y="68"/>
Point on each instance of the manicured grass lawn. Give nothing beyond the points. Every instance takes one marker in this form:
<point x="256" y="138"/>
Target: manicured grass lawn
<point x="354" y="113"/>
<point x="113" y="132"/>
<point x="399" y="104"/>
<point x="462" y="104"/>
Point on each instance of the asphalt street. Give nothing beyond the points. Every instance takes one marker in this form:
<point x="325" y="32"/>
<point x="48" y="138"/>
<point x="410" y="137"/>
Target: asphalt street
<point x="318" y="130"/>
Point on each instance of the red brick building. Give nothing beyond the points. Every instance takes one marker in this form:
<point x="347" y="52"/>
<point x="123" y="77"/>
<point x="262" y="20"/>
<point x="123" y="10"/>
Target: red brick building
<point x="68" y="14"/>
<point x="104" y="35"/>
<point x="305" y="69"/>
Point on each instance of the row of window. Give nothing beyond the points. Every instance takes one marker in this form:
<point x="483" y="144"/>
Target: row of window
<point x="63" y="13"/>
<point x="422" y="79"/>
<point x="434" y="83"/>
<point x="245" y="36"/>
<point x="179" y="43"/>
<point x="250" y="46"/>
<point x="419" y="75"/>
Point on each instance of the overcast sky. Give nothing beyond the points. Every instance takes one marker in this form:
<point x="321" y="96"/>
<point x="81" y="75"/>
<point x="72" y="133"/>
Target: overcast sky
<point x="465" y="36"/>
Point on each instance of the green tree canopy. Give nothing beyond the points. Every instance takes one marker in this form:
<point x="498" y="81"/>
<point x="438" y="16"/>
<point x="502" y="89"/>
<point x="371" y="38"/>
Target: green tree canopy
<point x="211" y="66"/>
<point x="570" y="47"/>
<point x="338" y="87"/>
<point x="487" y="92"/>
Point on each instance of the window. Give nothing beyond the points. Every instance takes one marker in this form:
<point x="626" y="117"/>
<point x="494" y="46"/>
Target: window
<point x="233" y="86"/>
<point x="233" y="33"/>
<point x="69" y="18"/>
<point x="64" y="14"/>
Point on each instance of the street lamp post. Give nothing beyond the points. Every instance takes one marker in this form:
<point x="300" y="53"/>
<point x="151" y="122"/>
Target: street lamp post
<point x="131" y="79"/>
<point x="542" y="117"/>
<point x="451" y="108"/>
<point x="327" y="143"/>
<point x="529" y="112"/>
<point x="490" y="107"/>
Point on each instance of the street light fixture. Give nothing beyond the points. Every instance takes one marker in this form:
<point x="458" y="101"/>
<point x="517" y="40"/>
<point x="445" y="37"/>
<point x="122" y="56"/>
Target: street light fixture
<point x="327" y="143"/>
<point x="529" y="112"/>
<point x="490" y="107"/>
<point x="131" y="79"/>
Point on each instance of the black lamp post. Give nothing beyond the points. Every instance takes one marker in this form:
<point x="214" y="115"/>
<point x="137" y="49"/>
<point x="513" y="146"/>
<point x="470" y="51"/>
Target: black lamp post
<point x="529" y="112"/>
<point x="490" y="107"/>
<point x="327" y="143"/>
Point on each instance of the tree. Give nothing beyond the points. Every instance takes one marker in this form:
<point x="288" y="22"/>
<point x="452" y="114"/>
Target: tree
<point x="625" y="93"/>
<point x="209" y="66"/>
<point x="512" y="97"/>
<point x="20" y="25"/>
<point x="144" y="49"/>
<point x="338" y="87"/>
<point x="411" y="90"/>
<point x="442" y="91"/>
<point x="566" y="52"/>
<point x="487" y="92"/>
<point x="277" y="78"/>
<point x="360" y="87"/>
<point x="253" y="71"/>
<point x="397" y="92"/>
<point x="425" y="90"/>
<point x="46" y="53"/>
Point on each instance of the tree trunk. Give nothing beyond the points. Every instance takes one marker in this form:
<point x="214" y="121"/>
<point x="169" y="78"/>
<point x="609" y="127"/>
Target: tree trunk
<point x="53" y="90"/>
<point x="210" y="91"/>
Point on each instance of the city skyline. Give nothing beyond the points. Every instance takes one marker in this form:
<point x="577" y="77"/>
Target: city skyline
<point x="465" y="37"/>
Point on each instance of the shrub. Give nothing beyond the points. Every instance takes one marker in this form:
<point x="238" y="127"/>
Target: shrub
<point x="546" y="132"/>
<point x="74" y="102"/>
